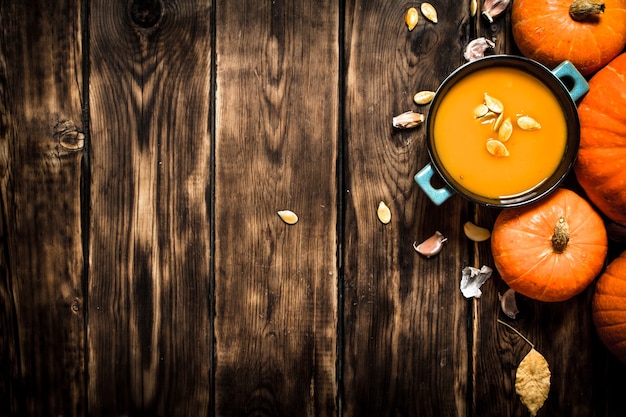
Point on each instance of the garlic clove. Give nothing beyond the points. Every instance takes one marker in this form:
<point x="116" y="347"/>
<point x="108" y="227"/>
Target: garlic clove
<point x="476" y="48"/>
<point x="509" y="304"/>
<point x="431" y="246"/>
<point x="493" y="8"/>
<point x="408" y="120"/>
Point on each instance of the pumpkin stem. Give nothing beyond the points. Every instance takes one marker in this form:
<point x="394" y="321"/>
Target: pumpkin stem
<point x="560" y="238"/>
<point x="579" y="10"/>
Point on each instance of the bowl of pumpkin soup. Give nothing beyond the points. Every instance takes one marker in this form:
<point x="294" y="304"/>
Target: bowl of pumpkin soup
<point x="502" y="131"/>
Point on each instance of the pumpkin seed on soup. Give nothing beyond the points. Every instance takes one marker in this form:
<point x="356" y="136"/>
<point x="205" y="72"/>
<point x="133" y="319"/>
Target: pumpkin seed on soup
<point x="497" y="148"/>
<point x="498" y="122"/>
<point x="489" y="117"/>
<point x="493" y="104"/>
<point x="528" y="123"/>
<point x="506" y="130"/>
<point x="480" y="110"/>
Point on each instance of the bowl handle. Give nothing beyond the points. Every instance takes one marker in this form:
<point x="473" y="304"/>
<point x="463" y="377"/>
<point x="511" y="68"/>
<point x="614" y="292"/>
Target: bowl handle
<point x="437" y="195"/>
<point x="573" y="81"/>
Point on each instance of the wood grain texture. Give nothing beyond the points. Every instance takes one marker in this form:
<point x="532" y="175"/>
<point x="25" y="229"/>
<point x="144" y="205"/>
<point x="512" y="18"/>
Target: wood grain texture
<point x="276" y="149"/>
<point x="42" y="316"/>
<point x="405" y="320"/>
<point x="148" y="273"/>
<point x="149" y="330"/>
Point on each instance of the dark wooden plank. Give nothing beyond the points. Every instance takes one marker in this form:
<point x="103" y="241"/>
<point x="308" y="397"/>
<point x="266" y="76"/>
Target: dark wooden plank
<point x="41" y="293"/>
<point x="405" y="321"/>
<point x="149" y="268"/>
<point x="276" y="148"/>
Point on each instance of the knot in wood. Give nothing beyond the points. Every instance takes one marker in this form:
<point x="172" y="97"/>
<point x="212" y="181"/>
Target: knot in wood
<point x="68" y="136"/>
<point x="146" y="13"/>
<point x="75" y="306"/>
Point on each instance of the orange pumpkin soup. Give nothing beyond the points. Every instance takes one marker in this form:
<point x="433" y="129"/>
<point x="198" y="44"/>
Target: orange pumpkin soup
<point x="460" y="137"/>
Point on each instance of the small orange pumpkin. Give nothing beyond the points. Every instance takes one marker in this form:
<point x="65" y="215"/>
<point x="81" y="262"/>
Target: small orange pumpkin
<point x="550" y="250"/>
<point x="601" y="163"/>
<point x="608" y="307"/>
<point x="588" y="33"/>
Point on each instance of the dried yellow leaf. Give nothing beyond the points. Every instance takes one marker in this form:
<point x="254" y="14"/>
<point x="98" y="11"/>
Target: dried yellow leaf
<point x="429" y="12"/>
<point x="288" y="216"/>
<point x="411" y="18"/>
<point x="423" y="97"/>
<point x="384" y="213"/>
<point x="532" y="381"/>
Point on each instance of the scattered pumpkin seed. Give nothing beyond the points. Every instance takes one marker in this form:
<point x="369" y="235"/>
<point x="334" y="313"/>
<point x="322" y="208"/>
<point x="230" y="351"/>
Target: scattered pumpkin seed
<point x="476" y="233"/>
<point x="497" y="148"/>
<point x="480" y="110"/>
<point x="384" y="213"/>
<point x="493" y="104"/>
<point x="528" y="123"/>
<point x="506" y="130"/>
<point x="423" y="97"/>
<point x="429" y="12"/>
<point x="411" y="18"/>
<point x="288" y="216"/>
<point x="408" y="120"/>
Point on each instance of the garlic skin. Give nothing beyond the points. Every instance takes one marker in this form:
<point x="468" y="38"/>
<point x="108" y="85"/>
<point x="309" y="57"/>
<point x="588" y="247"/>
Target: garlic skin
<point x="431" y="246"/>
<point x="472" y="280"/>
<point x="476" y="48"/>
<point x="493" y="8"/>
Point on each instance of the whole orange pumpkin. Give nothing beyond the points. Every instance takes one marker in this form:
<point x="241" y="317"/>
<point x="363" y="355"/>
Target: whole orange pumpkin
<point x="601" y="164"/>
<point x="608" y="307"/>
<point x="589" y="37"/>
<point x="550" y="250"/>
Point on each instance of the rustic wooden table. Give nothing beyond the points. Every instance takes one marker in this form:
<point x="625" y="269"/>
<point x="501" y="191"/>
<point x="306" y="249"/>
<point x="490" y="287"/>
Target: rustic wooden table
<point x="145" y="149"/>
